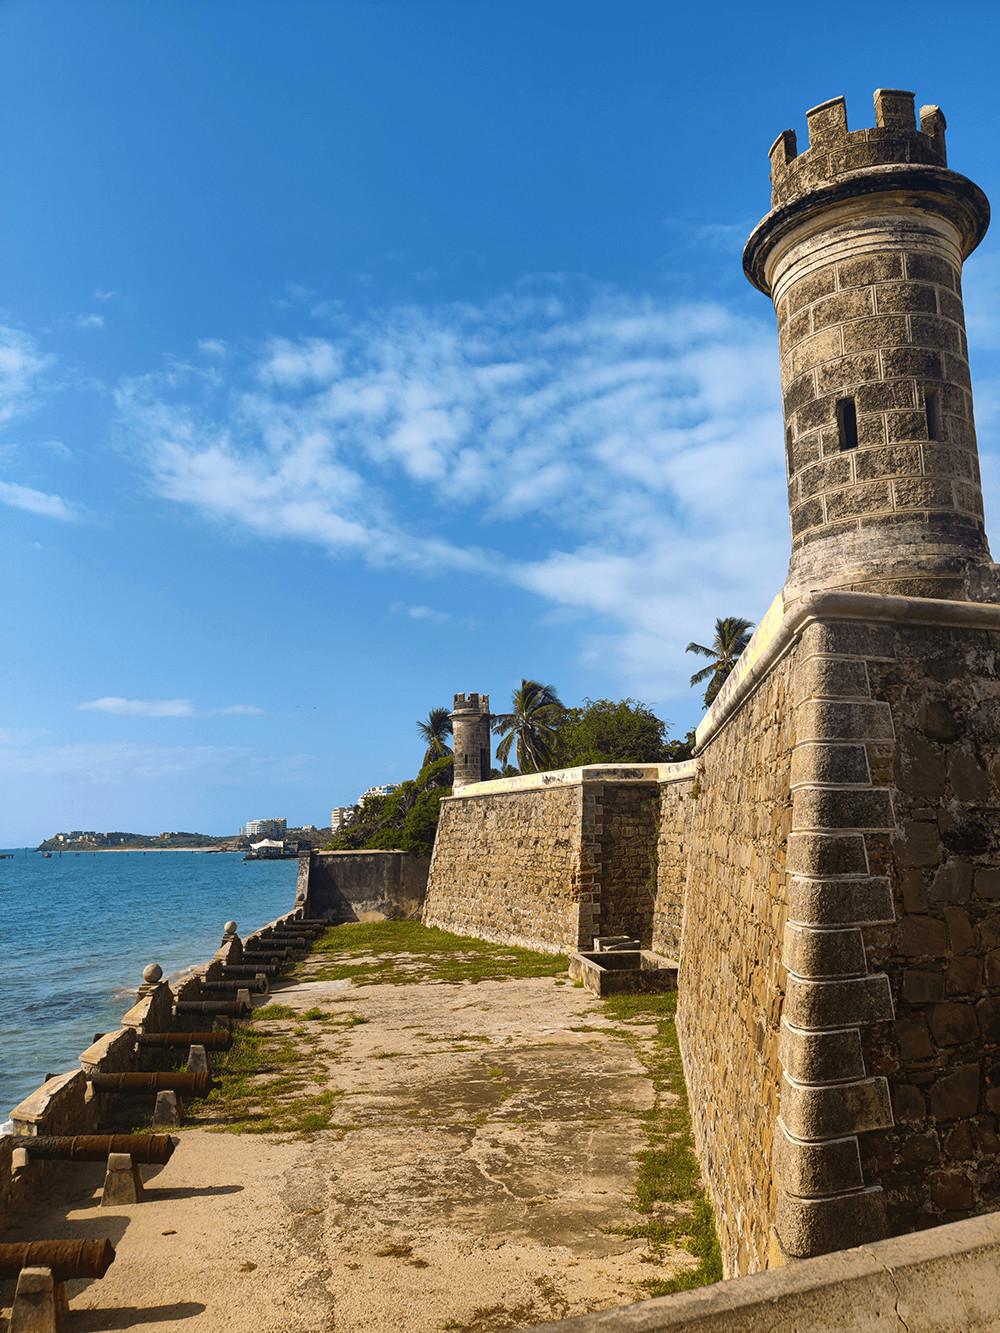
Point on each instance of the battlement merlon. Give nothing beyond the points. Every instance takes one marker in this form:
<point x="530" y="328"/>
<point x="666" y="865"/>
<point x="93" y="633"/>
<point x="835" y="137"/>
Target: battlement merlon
<point x="894" y="157"/>
<point x="471" y="703"/>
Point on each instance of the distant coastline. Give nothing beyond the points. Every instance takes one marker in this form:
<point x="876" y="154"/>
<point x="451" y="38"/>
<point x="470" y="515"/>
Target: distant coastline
<point x="293" y="841"/>
<point x="101" y="851"/>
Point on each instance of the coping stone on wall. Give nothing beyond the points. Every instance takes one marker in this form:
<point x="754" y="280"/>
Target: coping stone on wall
<point x="574" y="777"/>
<point x="942" y="1280"/>
<point x="780" y="626"/>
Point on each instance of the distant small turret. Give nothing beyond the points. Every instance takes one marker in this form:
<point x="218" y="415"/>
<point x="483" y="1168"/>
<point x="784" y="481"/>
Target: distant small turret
<point x="470" y="722"/>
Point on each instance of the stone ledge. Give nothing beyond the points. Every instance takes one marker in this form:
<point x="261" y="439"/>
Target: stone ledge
<point x="817" y="900"/>
<point x="779" y="627"/>
<point x="820" y="1057"/>
<point x="816" y="952"/>
<point x="845" y="1002"/>
<point x="814" y="1170"/>
<point x="579" y="777"/>
<point x="942" y="1280"/>
<point x="835" y="1110"/>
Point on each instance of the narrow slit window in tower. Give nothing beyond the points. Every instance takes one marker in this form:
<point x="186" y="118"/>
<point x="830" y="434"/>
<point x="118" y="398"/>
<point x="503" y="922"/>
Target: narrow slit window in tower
<point x="932" y="402"/>
<point x="788" y="448"/>
<point x="847" y="423"/>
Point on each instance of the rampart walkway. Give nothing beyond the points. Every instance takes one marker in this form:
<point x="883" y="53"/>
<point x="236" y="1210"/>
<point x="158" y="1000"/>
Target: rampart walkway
<point x="423" y="1156"/>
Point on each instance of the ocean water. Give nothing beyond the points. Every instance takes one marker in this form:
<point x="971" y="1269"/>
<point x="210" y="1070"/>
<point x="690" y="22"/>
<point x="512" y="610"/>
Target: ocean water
<point x="77" y="930"/>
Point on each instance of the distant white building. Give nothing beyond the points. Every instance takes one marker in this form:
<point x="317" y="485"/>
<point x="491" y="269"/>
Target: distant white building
<point x="265" y="828"/>
<point x="339" y="816"/>
<point x="386" y="789"/>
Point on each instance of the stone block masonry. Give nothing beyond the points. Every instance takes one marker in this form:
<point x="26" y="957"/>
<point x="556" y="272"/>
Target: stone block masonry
<point x="347" y="886"/>
<point x="828" y="871"/>
<point x="550" y="860"/>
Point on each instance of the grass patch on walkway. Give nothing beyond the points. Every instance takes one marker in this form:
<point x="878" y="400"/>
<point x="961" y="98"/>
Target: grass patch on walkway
<point x="668" y="1187"/>
<point x="401" y="953"/>
<point x="266" y="1082"/>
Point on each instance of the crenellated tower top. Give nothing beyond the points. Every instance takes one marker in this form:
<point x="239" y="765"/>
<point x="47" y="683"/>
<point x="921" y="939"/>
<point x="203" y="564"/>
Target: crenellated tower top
<point x="834" y="150"/>
<point x="862" y="255"/>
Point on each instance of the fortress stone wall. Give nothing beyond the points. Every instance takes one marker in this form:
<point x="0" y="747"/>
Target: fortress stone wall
<point x="829" y="867"/>
<point x="550" y="860"/>
<point x="346" y="886"/>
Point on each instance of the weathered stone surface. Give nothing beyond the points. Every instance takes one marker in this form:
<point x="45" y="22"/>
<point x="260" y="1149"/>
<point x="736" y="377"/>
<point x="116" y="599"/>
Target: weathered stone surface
<point x="823" y="953"/>
<point x="836" y="1110"/>
<point x="838" y="1003"/>
<point x="813" y="1169"/>
<point x="551" y="865"/>
<point x="820" y="1057"/>
<point x="732" y="980"/>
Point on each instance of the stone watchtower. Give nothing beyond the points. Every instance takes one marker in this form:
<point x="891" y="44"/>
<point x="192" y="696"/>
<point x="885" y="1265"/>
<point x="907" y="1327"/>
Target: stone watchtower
<point x="470" y="722"/>
<point x="862" y="255"/>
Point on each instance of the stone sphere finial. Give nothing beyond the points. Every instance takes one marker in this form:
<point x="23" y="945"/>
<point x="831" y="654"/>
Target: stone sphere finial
<point x="152" y="973"/>
<point x="229" y="928"/>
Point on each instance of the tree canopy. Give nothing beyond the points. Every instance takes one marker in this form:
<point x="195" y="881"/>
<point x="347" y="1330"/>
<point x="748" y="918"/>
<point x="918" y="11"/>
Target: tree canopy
<point x="608" y="731"/>
<point x="732" y="634"/>
<point x="530" y="727"/>
<point x="434" y="733"/>
<point x="407" y="818"/>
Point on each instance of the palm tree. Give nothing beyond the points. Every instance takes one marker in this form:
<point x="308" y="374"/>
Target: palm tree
<point x="434" y="731"/>
<point x="732" y="634"/>
<point x="530" y="726"/>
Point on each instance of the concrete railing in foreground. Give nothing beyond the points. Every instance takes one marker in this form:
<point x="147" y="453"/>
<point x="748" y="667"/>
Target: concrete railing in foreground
<point x="944" y="1280"/>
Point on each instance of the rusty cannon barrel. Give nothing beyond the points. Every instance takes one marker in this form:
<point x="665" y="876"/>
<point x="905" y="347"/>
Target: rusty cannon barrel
<point x="251" y="969"/>
<point x="67" y="1258"/>
<point x="212" y="1041"/>
<point x="193" y="1085"/>
<point x="258" y="987"/>
<point x="253" y="950"/>
<point x="224" y="1008"/>
<point x="145" y="1148"/>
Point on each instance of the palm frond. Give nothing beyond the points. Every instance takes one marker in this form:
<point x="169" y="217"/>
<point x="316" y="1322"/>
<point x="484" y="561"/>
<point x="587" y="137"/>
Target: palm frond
<point x="704" y="673"/>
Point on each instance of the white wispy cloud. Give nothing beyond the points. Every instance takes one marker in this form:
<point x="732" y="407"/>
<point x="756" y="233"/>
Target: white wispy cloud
<point x="36" y="502"/>
<point x="122" y="707"/>
<point x="420" y="612"/>
<point x="21" y="367"/>
<point x="87" y="320"/>
<point x="635" y="444"/>
<point x="110" y="764"/>
<point x="212" y="347"/>
<point x="104" y="294"/>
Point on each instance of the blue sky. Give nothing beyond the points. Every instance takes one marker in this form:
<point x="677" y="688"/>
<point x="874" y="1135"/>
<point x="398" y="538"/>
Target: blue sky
<point x="358" y="353"/>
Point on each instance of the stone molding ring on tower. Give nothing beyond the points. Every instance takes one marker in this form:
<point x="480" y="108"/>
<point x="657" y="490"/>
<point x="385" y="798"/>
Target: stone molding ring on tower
<point x="862" y="255"/>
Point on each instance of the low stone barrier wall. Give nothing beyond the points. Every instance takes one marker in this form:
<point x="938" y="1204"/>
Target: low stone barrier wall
<point x="344" y="886"/>
<point x="549" y="860"/>
<point x="67" y="1104"/>
<point x="944" y="1280"/>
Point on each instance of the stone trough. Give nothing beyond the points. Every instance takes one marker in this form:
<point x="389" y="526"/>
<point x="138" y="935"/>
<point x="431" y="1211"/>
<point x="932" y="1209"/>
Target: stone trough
<point x="623" y="972"/>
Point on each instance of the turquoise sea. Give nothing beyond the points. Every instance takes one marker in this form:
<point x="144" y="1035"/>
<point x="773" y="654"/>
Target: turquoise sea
<point x="77" y="930"/>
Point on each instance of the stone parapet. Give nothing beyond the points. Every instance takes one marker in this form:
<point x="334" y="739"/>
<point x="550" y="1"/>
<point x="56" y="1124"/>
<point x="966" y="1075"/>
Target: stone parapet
<point x="942" y="1280"/>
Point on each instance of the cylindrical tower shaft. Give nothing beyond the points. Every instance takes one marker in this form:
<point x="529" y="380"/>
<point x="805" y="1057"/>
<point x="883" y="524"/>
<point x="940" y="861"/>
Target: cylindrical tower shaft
<point x="862" y="254"/>
<point x="470" y="722"/>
